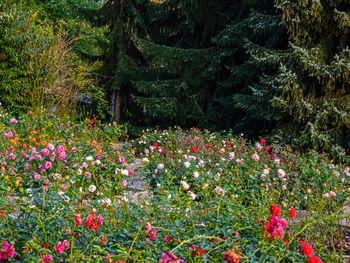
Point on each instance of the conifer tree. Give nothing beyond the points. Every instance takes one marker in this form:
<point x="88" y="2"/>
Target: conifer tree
<point x="312" y="87"/>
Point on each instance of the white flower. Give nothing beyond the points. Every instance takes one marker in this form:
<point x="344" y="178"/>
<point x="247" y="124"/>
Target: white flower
<point x="281" y="173"/>
<point x="326" y="195"/>
<point x="79" y="171"/>
<point x="195" y="174"/>
<point x="277" y="161"/>
<point x="146" y="151"/>
<point x="205" y="186"/>
<point x="145" y="160"/>
<point x="92" y="188"/>
<point x="231" y="155"/>
<point x="60" y="193"/>
<point x="124" y="172"/>
<point x="187" y="164"/>
<point x="192" y="195"/>
<point x="89" y="158"/>
<point x="255" y="156"/>
<point x="98" y="162"/>
<point x="184" y="185"/>
<point x="266" y="171"/>
<point x="284" y="187"/>
<point x="219" y="190"/>
<point x="106" y="201"/>
<point x="160" y="166"/>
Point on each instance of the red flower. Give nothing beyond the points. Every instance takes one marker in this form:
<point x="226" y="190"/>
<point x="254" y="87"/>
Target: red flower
<point x="168" y="239"/>
<point x="155" y="144"/>
<point x="314" y="259"/>
<point x="275" y="211"/>
<point x="194" y="149"/>
<point x="307" y="250"/>
<point x="153" y="234"/>
<point x="78" y="220"/>
<point x="292" y="212"/>
<point x="200" y="251"/>
<point x="262" y="141"/>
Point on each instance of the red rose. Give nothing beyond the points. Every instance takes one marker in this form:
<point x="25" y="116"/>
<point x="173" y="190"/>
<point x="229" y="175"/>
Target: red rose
<point x="155" y="144"/>
<point x="307" y="250"/>
<point x="292" y="212"/>
<point x="194" y="149"/>
<point x="262" y="141"/>
<point x="314" y="259"/>
<point x="200" y="251"/>
<point x="78" y="220"/>
<point x="275" y="211"/>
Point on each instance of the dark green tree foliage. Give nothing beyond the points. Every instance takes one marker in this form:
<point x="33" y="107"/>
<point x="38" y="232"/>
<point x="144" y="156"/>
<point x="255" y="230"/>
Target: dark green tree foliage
<point x="149" y="77"/>
<point x="312" y="87"/>
<point x="239" y="101"/>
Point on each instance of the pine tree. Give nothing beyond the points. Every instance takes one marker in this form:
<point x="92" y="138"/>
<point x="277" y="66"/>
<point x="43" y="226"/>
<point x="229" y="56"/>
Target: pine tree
<point x="312" y="87"/>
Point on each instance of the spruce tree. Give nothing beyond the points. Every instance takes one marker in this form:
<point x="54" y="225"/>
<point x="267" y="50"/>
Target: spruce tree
<point x="312" y="87"/>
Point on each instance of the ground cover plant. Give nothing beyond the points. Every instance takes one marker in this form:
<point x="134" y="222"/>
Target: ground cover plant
<point x="211" y="197"/>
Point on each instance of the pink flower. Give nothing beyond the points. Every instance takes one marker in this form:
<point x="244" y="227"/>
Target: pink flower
<point x="148" y="226"/>
<point x="124" y="183"/>
<point x="278" y="233"/>
<point x="60" y="148"/>
<point x="63" y="186"/>
<point x="87" y="175"/>
<point x="13" y="120"/>
<point x="48" y="165"/>
<point x="282" y="223"/>
<point x="46" y="258"/>
<point x="62" y="246"/>
<point x="51" y="146"/>
<point x="62" y="155"/>
<point x="6" y="252"/>
<point x="85" y="165"/>
<point x="9" y="134"/>
<point x="45" y="151"/>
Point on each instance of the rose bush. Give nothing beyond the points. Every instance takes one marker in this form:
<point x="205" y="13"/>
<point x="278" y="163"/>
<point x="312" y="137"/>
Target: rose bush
<point x="212" y="197"/>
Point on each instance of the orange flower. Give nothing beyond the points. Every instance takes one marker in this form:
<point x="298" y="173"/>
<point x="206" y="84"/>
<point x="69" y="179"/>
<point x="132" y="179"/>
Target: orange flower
<point x="104" y="238"/>
<point x="43" y="143"/>
<point x="233" y="256"/>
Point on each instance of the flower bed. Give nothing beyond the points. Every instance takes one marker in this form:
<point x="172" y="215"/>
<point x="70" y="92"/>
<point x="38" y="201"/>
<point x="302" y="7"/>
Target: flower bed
<point x="215" y="198"/>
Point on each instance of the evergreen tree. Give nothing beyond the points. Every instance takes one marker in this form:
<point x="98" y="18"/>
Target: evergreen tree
<point x="312" y="87"/>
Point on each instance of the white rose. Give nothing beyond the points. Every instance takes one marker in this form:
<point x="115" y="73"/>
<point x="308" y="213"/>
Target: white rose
<point x="192" y="195"/>
<point x="92" y="188"/>
<point x="184" y="185"/>
<point x="160" y="166"/>
<point x="89" y="158"/>
<point x="195" y="174"/>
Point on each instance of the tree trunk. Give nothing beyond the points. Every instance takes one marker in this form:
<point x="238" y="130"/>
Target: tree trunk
<point x="117" y="104"/>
